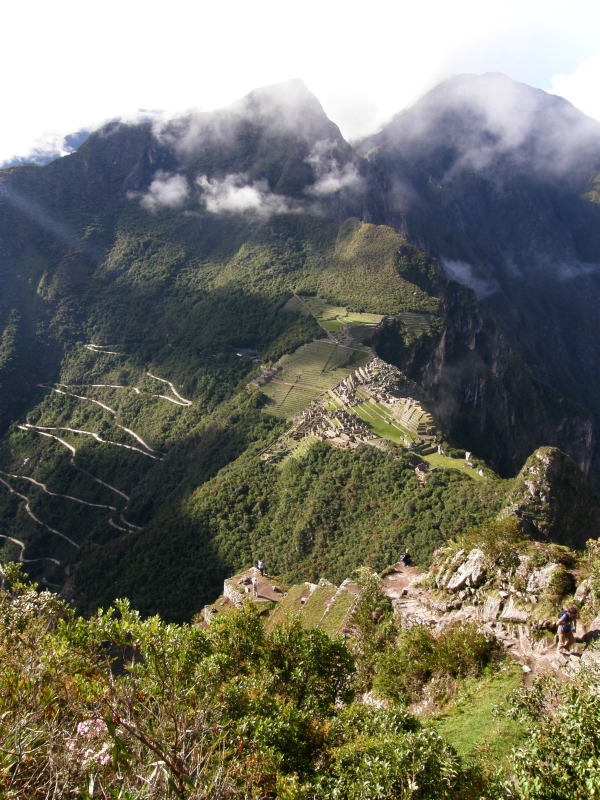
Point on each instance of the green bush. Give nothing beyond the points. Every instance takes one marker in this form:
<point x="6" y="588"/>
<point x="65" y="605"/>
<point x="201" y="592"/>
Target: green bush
<point x="561" y="757"/>
<point x="118" y="706"/>
<point x="404" y="669"/>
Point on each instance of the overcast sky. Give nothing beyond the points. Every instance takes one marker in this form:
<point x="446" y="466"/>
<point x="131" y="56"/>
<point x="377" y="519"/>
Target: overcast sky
<point x="72" y="65"/>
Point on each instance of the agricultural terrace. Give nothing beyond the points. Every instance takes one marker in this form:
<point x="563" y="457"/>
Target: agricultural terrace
<point x="415" y="323"/>
<point x="383" y="423"/>
<point x="309" y="372"/>
<point x="332" y="318"/>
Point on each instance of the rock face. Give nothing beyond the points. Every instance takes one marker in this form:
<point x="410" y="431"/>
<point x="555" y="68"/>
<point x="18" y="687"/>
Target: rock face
<point x="471" y="573"/>
<point x="582" y="592"/>
<point x="475" y="382"/>
<point x="513" y="613"/>
<point x="492" y="608"/>
<point x="511" y="209"/>
<point x="540" y="578"/>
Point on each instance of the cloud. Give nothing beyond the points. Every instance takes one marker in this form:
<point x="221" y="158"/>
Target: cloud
<point x="464" y="273"/>
<point x="581" y="86"/>
<point x="331" y="176"/>
<point x="166" y="190"/>
<point x="235" y="195"/>
<point x="482" y="121"/>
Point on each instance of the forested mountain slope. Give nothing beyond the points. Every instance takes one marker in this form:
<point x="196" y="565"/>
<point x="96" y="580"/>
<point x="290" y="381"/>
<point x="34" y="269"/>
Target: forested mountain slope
<point x="142" y="278"/>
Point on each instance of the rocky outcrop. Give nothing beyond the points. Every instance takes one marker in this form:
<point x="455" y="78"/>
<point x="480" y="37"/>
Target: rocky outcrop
<point x="470" y="573"/>
<point x="553" y="498"/>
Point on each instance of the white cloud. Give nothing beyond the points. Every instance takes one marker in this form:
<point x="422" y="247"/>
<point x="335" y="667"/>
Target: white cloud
<point x="234" y="194"/>
<point x="582" y="87"/>
<point x="166" y="191"/>
<point x="331" y="176"/>
<point x="464" y="273"/>
<point x="77" y="68"/>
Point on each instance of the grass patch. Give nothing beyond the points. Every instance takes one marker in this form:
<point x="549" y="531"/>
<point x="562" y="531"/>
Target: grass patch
<point x="288" y="604"/>
<point x="316" y="604"/>
<point x="470" y="722"/>
<point x="332" y="324"/>
<point x="337" y="613"/>
<point x="379" y="426"/>
<point x="445" y="462"/>
<point x="318" y="365"/>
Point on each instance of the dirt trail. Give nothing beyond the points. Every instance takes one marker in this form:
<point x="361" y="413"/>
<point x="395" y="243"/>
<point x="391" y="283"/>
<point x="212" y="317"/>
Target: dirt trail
<point x="22" y="560"/>
<point x="54" y="494"/>
<point x="35" y="519"/>
<point x="173" y="389"/>
<point x="96" y="436"/>
<point x="414" y="605"/>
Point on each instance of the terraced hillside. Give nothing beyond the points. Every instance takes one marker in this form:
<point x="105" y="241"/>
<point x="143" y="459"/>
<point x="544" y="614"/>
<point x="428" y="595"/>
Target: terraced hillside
<point x="309" y="372"/>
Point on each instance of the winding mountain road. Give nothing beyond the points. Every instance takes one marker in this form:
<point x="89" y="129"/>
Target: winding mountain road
<point x="70" y="447"/>
<point x="183" y="402"/>
<point x="33" y="516"/>
<point x="22" y="560"/>
<point x="96" y="436"/>
<point x="101" y="348"/>
<point x="106" y="408"/>
<point x="48" y="431"/>
<point x="44" y="488"/>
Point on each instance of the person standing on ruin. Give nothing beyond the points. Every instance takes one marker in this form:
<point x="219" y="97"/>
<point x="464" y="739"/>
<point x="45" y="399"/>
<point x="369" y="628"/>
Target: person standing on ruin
<point x="255" y="587"/>
<point x="261" y="567"/>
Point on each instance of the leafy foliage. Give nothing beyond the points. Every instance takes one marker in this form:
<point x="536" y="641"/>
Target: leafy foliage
<point x="118" y="706"/>
<point x="561" y="755"/>
<point x="317" y="516"/>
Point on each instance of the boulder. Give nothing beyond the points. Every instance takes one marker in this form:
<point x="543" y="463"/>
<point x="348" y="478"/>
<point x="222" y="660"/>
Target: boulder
<point x="492" y="608"/>
<point x="524" y="567"/>
<point x="512" y="613"/>
<point x="471" y="573"/>
<point x="540" y="578"/>
<point x="582" y="591"/>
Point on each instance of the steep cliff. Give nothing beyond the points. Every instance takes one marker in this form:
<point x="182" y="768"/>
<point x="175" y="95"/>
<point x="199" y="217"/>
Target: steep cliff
<point x="482" y="391"/>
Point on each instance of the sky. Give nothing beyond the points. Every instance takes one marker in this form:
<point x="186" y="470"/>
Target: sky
<point x="74" y="65"/>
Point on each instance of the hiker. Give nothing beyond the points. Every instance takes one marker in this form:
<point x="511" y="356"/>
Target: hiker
<point x="255" y="587"/>
<point x="261" y="567"/>
<point x="406" y="560"/>
<point x="566" y="628"/>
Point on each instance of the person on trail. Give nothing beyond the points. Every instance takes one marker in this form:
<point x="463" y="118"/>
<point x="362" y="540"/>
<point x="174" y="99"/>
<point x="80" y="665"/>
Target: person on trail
<point x="261" y="567"/>
<point x="255" y="587"/>
<point x="566" y="628"/>
<point x="406" y="560"/>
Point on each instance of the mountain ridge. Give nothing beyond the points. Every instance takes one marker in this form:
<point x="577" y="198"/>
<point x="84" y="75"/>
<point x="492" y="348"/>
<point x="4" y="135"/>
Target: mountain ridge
<point x="170" y="253"/>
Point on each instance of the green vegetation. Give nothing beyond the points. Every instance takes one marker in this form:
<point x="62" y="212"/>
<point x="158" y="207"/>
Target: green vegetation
<point x="314" y="516"/>
<point x="315" y="367"/>
<point x="316" y="605"/>
<point x="115" y="705"/>
<point x="560" y="753"/>
<point x="477" y="720"/>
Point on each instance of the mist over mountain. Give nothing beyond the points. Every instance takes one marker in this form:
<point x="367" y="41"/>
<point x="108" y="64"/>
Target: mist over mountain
<point x="498" y="181"/>
<point x="143" y="276"/>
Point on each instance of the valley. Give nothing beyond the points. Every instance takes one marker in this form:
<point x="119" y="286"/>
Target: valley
<point x="185" y="384"/>
<point x="244" y="367"/>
